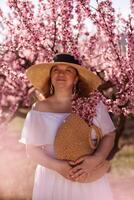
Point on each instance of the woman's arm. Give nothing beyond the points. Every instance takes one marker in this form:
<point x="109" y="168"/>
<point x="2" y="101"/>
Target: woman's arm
<point x="105" y="146"/>
<point x="87" y="164"/>
<point x="39" y="156"/>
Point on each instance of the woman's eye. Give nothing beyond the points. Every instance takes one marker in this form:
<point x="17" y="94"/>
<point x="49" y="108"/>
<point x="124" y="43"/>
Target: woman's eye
<point x="69" y="70"/>
<point x="55" y="70"/>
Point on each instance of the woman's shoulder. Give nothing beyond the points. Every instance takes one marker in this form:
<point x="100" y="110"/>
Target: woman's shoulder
<point x="43" y="105"/>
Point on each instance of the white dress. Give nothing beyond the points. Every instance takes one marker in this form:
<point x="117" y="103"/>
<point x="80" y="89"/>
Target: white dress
<point x="40" y="129"/>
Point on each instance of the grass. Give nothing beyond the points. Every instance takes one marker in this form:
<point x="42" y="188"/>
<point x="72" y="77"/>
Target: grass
<point x="125" y="158"/>
<point x="123" y="163"/>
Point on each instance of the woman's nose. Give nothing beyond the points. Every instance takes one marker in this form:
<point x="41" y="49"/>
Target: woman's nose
<point x="61" y="72"/>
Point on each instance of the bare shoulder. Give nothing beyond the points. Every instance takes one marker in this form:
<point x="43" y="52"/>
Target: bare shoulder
<point x="41" y="105"/>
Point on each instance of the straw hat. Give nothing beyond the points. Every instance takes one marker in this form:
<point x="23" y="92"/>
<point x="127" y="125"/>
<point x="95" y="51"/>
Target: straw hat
<point x="39" y="74"/>
<point x="73" y="138"/>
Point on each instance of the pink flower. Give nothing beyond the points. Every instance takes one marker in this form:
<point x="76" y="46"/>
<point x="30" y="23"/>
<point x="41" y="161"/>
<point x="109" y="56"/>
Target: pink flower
<point x="85" y="107"/>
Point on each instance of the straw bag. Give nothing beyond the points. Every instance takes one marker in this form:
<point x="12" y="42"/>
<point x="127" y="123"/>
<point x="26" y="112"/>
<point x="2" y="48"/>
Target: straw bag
<point x="73" y="139"/>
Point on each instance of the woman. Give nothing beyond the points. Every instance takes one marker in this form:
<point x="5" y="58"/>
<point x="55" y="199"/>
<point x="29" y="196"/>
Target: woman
<point x="57" y="179"/>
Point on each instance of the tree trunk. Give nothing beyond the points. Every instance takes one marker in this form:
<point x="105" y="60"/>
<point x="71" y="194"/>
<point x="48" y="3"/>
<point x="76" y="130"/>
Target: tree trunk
<point x="120" y="125"/>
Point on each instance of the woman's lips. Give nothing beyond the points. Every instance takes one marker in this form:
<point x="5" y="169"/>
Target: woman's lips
<point x="60" y="79"/>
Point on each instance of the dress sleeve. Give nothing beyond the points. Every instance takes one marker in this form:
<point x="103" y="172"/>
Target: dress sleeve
<point x="103" y="120"/>
<point x="33" y="131"/>
<point x="28" y="130"/>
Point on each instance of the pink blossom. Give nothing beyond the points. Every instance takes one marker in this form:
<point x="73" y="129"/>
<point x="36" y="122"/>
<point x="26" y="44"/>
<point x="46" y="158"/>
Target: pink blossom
<point x="85" y="107"/>
<point x="36" y="34"/>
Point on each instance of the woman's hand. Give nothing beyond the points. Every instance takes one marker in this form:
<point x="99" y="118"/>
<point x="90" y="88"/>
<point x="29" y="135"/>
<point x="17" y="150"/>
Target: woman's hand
<point x="63" y="168"/>
<point x="84" y="167"/>
<point x="40" y="156"/>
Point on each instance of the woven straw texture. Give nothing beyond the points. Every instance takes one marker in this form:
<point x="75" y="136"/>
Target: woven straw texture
<point x="39" y="74"/>
<point x="73" y="139"/>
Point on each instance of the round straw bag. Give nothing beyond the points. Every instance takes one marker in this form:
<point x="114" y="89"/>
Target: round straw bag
<point x="73" y="139"/>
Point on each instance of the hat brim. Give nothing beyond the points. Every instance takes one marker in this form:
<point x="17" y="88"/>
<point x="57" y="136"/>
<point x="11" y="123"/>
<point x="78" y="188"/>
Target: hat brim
<point x="39" y="74"/>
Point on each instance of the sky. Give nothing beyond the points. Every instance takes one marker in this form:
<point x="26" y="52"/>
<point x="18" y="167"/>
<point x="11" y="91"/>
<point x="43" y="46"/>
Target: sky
<point x="122" y="6"/>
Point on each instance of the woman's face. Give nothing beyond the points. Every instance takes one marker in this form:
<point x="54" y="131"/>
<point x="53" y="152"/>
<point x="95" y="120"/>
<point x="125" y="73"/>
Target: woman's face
<point x="64" y="76"/>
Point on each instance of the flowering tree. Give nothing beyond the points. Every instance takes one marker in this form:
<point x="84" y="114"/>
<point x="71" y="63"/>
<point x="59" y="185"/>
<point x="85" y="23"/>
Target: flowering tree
<point x="34" y="33"/>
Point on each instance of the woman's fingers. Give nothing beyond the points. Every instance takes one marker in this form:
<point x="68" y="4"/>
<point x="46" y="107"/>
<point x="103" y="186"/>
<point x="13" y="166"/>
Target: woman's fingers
<point x="70" y="178"/>
<point x="71" y="163"/>
<point x="77" y="174"/>
<point x="74" y="169"/>
<point x="80" y="160"/>
<point x="81" y="178"/>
